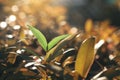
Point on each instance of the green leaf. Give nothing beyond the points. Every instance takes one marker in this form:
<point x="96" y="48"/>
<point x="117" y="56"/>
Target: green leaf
<point x="85" y="57"/>
<point x="40" y="37"/>
<point x="56" y="51"/>
<point x="53" y="42"/>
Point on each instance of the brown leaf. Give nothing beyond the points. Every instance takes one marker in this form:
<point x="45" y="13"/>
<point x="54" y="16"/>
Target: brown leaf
<point x="11" y="57"/>
<point x="88" y="26"/>
<point x="85" y="57"/>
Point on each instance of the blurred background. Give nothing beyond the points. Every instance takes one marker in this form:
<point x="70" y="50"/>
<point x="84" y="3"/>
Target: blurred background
<point x="100" y="18"/>
<point x="51" y="16"/>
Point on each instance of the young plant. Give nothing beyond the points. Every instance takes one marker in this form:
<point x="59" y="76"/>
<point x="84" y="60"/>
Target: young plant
<point x="53" y="48"/>
<point x="85" y="56"/>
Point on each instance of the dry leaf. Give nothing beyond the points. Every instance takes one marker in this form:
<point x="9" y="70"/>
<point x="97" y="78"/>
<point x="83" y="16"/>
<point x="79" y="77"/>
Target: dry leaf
<point x="11" y="57"/>
<point x="85" y="57"/>
<point x="88" y="26"/>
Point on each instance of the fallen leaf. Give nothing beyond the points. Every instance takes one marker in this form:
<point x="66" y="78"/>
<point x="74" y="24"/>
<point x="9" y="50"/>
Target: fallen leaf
<point x="85" y="57"/>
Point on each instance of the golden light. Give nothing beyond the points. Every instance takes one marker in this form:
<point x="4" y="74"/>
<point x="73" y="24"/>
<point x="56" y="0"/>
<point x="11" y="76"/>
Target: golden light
<point x="3" y="24"/>
<point x="9" y="36"/>
<point x="73" y="30"/>
<point x="14" y="8"/>
<point x="12" y="18"/>
<point x="16" y="27"/>
<point x="28" y="32"/>
<point x="99" y="44"/>
<point x="22" y="15"/>
<point x="19" y="51"/>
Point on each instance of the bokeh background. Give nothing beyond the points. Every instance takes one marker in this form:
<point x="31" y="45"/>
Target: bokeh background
<point x="100" y="18"/>
<point x="51" y="16"/>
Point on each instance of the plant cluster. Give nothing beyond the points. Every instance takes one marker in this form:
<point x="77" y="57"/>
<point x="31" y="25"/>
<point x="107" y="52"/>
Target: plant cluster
<point x="73" y="56"/>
